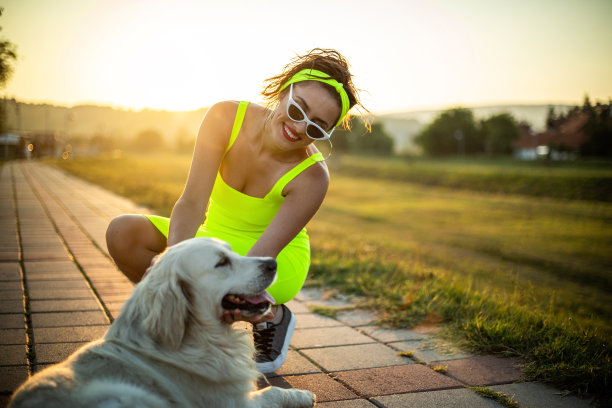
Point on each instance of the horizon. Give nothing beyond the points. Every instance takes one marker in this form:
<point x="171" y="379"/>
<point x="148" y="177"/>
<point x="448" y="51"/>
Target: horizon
<point x="386" y="113"/>
<point x="406" y="55"/>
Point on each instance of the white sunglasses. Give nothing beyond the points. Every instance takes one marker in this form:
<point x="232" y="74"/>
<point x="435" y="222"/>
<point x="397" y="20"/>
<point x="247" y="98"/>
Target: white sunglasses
<point x="296" y="114"/>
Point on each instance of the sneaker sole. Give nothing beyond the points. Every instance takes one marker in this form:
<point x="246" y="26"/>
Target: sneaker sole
<point x="271" y="366"/>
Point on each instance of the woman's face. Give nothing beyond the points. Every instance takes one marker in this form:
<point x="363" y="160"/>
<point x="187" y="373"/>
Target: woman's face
<point x="318" y="104"/>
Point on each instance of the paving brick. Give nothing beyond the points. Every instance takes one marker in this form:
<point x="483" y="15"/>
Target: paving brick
<point x="430" y="350"/>
<point x="13" y="354"/>
<point x="13" y="336"/>
<point x="355" y="357"/>
<point x="11" y="285"/>
<point x="64" y="305"/>
<point x="68" y="319"/>
<point x="117" y="298"/>
<point x="296" y="364"/>
<point x="325" y="388"/>
<point x="108" y="290"/>
<point x="12" y="377"/>
<point x="43" y="293"/>
<point x="332" y="336"/>
<point x="357" y="317"/>
<point x="106" y="275"/>
<point x="8" y="256"/>
<point x="438" y="399"/>
<point x="484" y="370"/>
<point x="360" y="403"/>
<point x="70" y="334"/>
<point x="40" y="254"/>
<point x="9" y="271"/>
<point x="98" y="262"/>
<point x="12" y="321"/>
<point x="319" y="297"/>
<point x="55" y="352"/>
<point x="307" y="321"/>
<point x="79" y="283"/>
<point x="395" y="380"/>
<point x="534" y="395"/>
<point x="10" y="294"/>
<point x="11" y="306"/>
<point x="391" y="335"/>
<point x="44" y="267"/>
<point x="297" y="307"/>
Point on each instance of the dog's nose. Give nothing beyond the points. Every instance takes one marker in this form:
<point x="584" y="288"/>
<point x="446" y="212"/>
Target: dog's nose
<point x="268" y="266"/>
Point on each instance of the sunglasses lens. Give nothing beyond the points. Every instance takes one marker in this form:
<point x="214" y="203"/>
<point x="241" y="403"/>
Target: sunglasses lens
<point x="295" y="113"/>
<point x="314" y="132"/>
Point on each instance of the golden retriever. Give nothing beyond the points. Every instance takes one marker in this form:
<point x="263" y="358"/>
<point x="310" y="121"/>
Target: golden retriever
<point x="169" y="347"/>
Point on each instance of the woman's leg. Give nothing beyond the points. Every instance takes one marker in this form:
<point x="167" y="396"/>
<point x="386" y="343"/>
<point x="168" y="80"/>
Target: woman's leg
<point x="133" y="241"/>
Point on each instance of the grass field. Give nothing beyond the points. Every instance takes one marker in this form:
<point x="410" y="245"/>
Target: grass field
<point x="525" y="274"/>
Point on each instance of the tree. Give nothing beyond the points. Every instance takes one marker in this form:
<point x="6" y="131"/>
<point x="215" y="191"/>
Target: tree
<point x="149" y="140"/>
<point x="369" y="141"/>
<point x="8" y="54"/>
<point x="499" y="133"/>
<point x="453" y="131"/>
<point x="599" y="130"/>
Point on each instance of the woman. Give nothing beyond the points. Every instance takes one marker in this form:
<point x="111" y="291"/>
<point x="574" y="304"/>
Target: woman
<point x="256" y="179"/>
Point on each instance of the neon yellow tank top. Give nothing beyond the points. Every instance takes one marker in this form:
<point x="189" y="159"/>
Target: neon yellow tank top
<point x="230" y="210"/>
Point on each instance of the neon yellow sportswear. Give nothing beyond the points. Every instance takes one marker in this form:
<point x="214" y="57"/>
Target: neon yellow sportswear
<point x="240" y="219"/>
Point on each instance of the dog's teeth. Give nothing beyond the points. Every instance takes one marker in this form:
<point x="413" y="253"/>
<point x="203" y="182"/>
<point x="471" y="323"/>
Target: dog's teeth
<point x="235" y="299"/>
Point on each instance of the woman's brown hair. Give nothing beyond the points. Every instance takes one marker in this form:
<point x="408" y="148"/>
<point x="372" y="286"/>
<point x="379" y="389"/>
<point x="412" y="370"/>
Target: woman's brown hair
<point x="326" y="60"/>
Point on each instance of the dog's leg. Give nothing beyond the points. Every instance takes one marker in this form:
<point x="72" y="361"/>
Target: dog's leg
<point x="275" y="397"/>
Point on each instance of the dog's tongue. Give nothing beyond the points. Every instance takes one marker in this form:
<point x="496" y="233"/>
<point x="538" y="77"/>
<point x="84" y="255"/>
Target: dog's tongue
<point x="262" y="297"/>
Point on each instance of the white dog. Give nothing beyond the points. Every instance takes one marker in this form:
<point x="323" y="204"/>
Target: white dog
<point x="168" y="347"/>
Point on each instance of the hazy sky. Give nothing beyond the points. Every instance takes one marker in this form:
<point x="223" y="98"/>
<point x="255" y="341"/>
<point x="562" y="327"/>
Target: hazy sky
<point x="183" y="55"/>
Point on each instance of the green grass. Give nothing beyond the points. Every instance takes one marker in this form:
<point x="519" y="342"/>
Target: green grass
<point x="576" y="181"/>
<point x="517" y="274"/>
<point x="498" y="397"/>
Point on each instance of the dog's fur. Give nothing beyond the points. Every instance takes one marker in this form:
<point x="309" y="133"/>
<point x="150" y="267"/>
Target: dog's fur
<point x="168" y="347"/>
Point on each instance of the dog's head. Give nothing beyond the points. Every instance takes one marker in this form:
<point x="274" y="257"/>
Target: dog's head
<point x="194" y="281"/>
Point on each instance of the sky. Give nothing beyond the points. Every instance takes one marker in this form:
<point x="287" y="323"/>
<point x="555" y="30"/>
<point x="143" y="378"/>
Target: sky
<point x="404" y="54"/>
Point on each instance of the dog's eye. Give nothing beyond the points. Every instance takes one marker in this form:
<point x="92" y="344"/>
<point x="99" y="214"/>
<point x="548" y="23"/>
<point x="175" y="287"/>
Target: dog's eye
<point x="223" y="261"/>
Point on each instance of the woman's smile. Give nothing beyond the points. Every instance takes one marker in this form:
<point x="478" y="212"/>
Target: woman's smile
<point x="289" y="134"/>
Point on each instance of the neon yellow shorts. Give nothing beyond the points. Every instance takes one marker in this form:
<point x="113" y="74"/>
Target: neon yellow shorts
<point x="292" y="262"/>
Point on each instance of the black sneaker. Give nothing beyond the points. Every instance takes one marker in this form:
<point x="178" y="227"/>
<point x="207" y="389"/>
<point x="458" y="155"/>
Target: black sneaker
<point x="272" y="342"/>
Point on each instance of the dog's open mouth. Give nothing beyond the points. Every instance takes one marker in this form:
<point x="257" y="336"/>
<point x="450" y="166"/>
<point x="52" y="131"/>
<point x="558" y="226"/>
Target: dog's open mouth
<point x="255" y="304"/>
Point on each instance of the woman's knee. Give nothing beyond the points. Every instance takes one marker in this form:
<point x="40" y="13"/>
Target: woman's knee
<point x="128" y="232"/>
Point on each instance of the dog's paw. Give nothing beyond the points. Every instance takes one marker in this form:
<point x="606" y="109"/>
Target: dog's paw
<point x="304" y="399"/>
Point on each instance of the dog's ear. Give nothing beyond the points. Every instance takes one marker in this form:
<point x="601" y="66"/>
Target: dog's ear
<point x="168" y="309"/>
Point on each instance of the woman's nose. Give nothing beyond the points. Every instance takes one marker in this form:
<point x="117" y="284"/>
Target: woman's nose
<point x="300" y="127"/>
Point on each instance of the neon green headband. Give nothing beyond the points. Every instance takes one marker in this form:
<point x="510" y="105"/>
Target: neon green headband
<point x="314" y="75"/>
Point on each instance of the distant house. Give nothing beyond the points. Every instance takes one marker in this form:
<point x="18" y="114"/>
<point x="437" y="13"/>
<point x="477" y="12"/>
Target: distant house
<point x="12" y="146"/>
<point x="560" y="141"/>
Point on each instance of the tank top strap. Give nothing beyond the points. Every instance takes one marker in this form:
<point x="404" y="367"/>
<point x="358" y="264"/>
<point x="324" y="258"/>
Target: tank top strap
<point x="291" y="174"/>
<point x="240" y="113"/>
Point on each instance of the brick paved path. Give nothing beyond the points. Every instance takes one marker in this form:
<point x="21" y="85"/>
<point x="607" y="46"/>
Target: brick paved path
<point x="59" y="289"/>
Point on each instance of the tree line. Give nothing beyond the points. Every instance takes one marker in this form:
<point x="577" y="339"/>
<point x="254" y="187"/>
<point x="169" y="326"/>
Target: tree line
<point x="457" y="132"/>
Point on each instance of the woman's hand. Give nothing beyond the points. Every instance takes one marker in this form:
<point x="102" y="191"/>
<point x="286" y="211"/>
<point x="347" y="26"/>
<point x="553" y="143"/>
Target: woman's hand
<point x="235" y="315"/>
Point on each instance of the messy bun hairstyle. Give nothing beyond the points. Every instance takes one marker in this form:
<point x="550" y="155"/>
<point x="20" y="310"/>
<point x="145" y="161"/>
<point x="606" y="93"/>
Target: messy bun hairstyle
<point x="326" y="60"/>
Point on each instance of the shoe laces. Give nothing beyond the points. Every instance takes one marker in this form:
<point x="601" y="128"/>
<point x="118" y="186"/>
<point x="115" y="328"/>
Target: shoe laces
<point x="263" y="338"/>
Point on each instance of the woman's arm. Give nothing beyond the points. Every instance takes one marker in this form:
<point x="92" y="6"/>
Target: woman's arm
<point x="213" y="138"/>
<point x="304" y="196"/>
